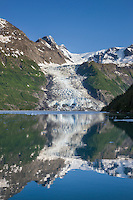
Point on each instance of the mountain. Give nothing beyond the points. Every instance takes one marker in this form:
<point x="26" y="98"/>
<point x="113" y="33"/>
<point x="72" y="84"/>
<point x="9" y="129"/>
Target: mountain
<point x="122" y="103"/>
<point x="20" y="77"/>
<point x="43" y="75"/>
<point x="80" y="85"/>
<point x="106" y="73"/>
<point x="13" y="42"/>
<point x="120" y="56"/>
<point x="22" y="82"/>
<point x="116" y="55"/>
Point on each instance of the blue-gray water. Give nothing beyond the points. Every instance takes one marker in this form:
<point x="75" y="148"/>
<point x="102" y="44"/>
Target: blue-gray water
<point x="58" y="155"/>
<point x="80" y="185"/>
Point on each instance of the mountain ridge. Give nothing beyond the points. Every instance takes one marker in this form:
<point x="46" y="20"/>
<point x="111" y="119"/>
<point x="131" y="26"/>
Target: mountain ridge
<point x="15" y="43"/>
<point x="121" y="56"/>
<point x="68" y="86"/>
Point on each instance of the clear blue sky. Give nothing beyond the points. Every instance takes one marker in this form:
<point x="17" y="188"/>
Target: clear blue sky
<point x="82" y="25"/>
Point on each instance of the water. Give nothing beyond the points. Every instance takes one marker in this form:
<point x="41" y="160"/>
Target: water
<point x="62" y="155"/>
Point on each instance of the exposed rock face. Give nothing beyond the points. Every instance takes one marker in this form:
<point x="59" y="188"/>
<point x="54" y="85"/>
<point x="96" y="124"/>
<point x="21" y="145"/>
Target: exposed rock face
<point x="129" y="51"/>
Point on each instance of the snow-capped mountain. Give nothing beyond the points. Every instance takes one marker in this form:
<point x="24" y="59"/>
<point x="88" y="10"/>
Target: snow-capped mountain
<point x="116" y="55"/>
<point x="120" y="56"/>
<point x="65" y="88"/>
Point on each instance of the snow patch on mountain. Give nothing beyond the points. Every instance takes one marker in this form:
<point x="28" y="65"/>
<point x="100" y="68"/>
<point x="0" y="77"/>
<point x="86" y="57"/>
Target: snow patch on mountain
<point x="3" y="183"/>
<point x="2" y="23"/>
<point x="47" y="45"/>
<point x="128" y="60"/>
<point x="74" y="58"/>
<point x="5" y="39"/>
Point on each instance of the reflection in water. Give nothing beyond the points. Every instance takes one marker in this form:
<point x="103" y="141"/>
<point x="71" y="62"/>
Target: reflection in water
<point x="67" y="132"/>
<point x="44" y="147"/>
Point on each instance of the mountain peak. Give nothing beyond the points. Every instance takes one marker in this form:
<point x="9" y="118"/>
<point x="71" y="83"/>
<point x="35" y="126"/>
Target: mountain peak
<point x="49" y="39"/>
<point x="129" y="51"/>
<point x="62" y="46"/>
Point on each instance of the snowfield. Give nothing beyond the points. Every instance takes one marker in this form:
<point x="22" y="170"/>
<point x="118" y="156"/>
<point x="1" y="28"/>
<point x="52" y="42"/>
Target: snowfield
<point x="5" y="39"/>
<point x="74" y="58"/>
<point x="67" y="91"/>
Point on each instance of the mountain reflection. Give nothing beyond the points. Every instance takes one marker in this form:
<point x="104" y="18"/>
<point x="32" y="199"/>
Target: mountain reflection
<point x="44" y="147"/>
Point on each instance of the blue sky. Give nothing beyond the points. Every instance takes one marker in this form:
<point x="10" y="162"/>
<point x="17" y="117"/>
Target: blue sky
<point x="81" y="25"/>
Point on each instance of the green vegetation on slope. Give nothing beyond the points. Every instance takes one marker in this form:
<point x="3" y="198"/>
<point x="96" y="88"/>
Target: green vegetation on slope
<point x="20" y="80"/>
<point x="19" y="138"/>
<point x="98" y="79"/>
<point x="122" y="103"/>
<point x="101" y="142"/>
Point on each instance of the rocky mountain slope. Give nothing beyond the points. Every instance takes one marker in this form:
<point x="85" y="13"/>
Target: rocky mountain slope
<point x="122" y="103"/>
<point x="13" y="42"/>
<point x="105" y="81"/>
<point x="74" y="81"/>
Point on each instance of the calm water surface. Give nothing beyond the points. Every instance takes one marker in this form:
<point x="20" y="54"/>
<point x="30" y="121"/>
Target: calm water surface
<point x="77" y="155"/>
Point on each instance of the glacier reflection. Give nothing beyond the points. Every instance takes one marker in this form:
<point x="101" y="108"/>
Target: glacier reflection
<point x="67" y="132"/>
